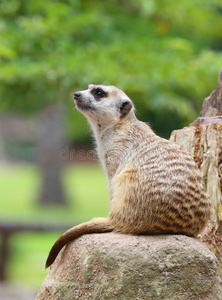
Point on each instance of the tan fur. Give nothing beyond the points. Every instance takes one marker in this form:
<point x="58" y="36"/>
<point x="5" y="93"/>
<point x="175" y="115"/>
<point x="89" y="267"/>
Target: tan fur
<point x="155" y="186"/>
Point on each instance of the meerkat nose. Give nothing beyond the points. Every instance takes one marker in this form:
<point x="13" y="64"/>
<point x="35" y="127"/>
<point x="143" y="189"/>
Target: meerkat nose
<point x="77" y="95"/>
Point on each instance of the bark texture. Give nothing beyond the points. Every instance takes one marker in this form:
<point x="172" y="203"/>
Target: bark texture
<point x="118" y="266"/>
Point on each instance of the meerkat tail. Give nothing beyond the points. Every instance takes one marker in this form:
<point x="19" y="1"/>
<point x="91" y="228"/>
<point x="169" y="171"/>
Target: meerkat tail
<point x="99" y="225"/>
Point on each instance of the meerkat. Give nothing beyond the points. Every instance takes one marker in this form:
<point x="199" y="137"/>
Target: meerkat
<point x="155" y="187"/>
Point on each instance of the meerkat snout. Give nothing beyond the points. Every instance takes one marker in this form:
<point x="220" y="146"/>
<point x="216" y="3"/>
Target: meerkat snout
<point x="77" y="95"/>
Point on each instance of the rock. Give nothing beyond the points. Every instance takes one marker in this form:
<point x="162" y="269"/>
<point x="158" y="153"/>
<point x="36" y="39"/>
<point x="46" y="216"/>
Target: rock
<point x="118" y="266"/>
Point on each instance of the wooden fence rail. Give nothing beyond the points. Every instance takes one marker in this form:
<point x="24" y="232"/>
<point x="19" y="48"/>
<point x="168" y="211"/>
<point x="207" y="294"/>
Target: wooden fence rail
<point x="7" y="229"/>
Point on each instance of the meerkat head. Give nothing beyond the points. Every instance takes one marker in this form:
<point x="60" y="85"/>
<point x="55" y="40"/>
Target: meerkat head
<point x="102" y="104"/>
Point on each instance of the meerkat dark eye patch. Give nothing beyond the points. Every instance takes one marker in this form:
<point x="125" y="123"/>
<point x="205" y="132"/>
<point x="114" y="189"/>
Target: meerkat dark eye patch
<point x="99" y="93"/>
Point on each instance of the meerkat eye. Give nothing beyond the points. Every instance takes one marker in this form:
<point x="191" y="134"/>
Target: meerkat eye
<point x="99" y="93"/>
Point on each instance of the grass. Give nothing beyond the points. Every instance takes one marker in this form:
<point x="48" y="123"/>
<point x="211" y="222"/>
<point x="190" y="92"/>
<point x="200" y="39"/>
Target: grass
<point x="87" y="194"/>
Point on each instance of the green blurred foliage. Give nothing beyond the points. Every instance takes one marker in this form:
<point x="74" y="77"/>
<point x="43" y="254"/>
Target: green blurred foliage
<point x="165" y="54"/>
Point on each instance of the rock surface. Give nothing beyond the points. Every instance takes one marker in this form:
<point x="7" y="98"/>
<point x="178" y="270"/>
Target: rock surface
<point x="118" y="266"/>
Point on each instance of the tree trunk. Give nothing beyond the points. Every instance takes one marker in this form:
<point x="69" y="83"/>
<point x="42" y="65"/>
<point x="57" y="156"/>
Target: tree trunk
<point x="51" y="141"/>
<point x="2" y="154"/>
<point x="203" y="140"/>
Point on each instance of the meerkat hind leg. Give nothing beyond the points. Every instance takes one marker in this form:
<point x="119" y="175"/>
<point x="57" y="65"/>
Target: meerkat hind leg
<point x="127" y="210"/>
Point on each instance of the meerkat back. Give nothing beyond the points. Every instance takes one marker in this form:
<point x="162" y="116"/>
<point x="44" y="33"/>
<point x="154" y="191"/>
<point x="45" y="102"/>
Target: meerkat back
<point x="161" y="189"/>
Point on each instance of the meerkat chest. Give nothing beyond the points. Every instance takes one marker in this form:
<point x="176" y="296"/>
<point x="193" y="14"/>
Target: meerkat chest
<point x="112" y="154"/>
<point x="109" y="159"/>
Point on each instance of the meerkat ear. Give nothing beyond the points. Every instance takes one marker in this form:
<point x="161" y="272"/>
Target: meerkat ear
<point x="125" y="107"/>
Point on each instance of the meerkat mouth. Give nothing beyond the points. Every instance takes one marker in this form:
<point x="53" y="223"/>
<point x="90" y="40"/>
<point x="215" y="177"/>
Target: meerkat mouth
<point x="83" y="106"/>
